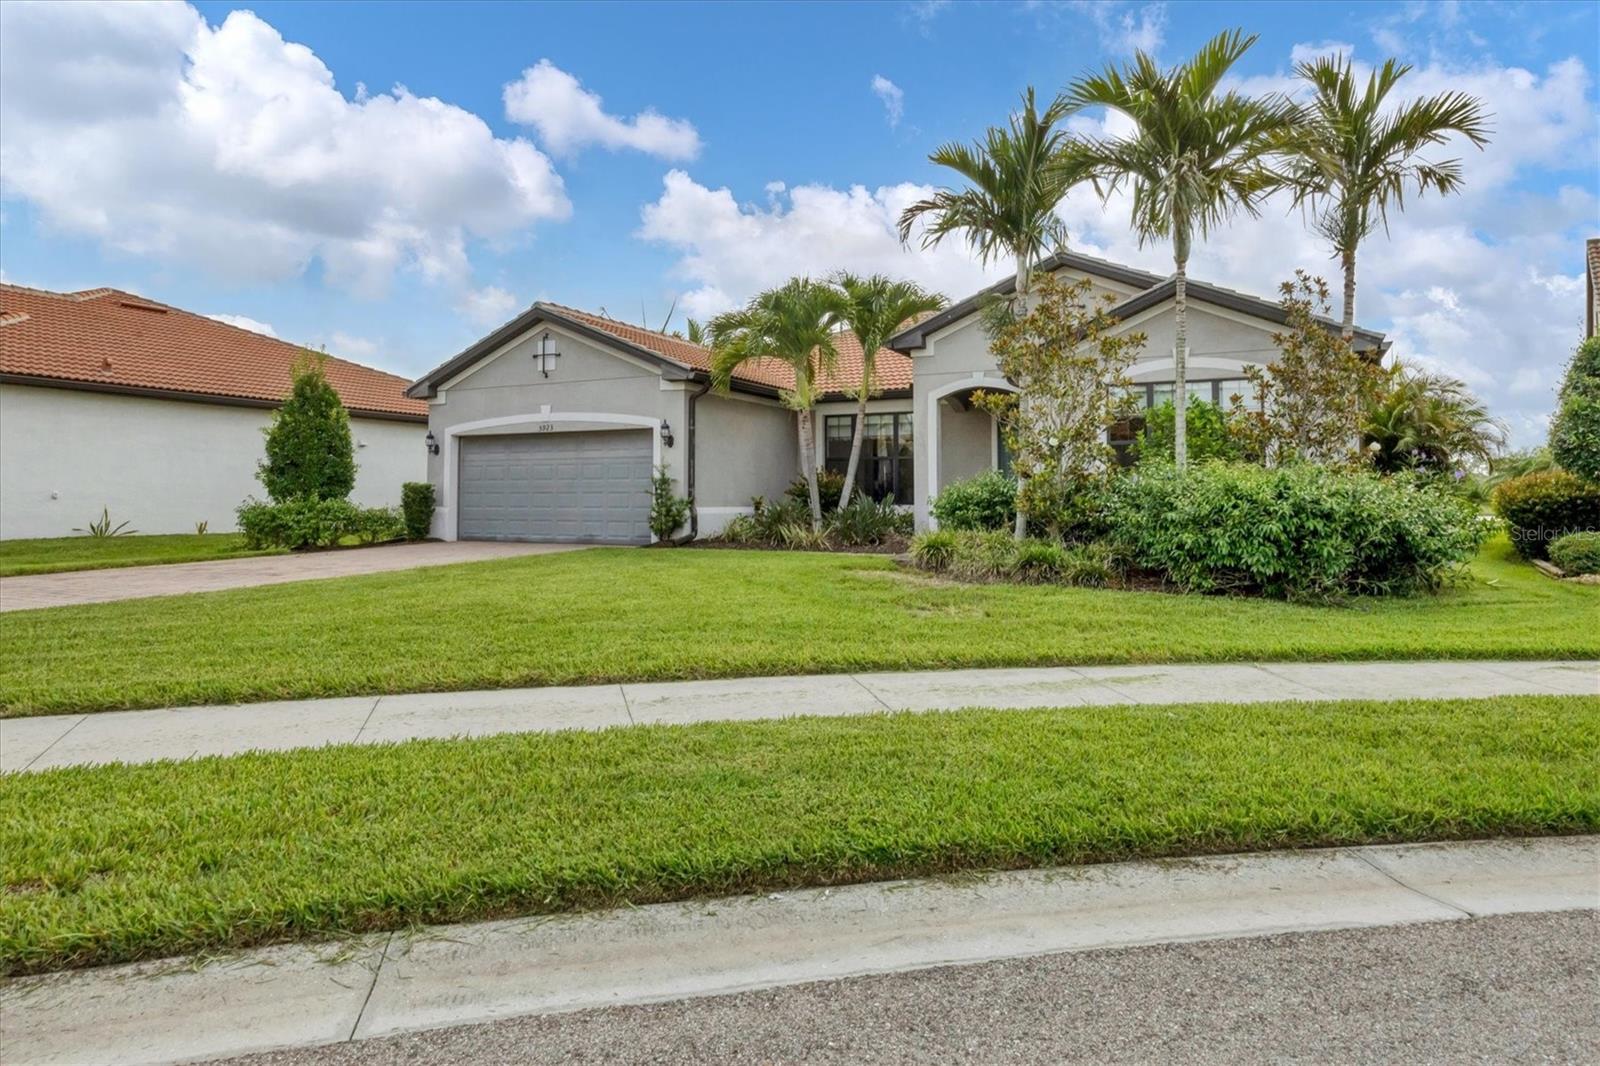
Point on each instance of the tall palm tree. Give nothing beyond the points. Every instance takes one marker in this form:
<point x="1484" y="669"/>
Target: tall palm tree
<point x="792" y="324"/>
<point x="1195" y="157"/>
<point x="1015" y="178"/>
<point x="1351" y="159"/>
<point x="875" y="308"/>
<point x="1430" y="422"/>
<point x="1014" y="182"/>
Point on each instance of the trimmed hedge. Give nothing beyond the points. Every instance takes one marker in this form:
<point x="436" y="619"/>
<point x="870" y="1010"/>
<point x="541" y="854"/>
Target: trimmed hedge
<point x="1577" y="553"/>
<point x="1298" y="532"/>
<point x="416" y="508"/>
<point x="987" y="501"/>
<point x="1543" y="507"/>
<point x="307" y="522"/>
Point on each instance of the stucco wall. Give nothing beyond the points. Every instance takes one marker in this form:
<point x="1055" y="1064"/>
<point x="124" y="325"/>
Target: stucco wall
<point x="162" y="465"/>
<point x="746" y="447"/>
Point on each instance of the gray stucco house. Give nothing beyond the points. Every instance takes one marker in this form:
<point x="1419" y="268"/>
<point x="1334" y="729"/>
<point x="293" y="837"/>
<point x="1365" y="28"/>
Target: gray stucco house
<point x="549" y="427"/>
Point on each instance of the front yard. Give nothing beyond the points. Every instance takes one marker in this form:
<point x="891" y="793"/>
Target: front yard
<point x="628" y="615"/>
<point x="53" y="555"/>
<point x="104" y="864"/>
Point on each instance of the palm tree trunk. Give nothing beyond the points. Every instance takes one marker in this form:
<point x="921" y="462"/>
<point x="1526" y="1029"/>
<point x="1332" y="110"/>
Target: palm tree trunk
<point x="855" y="449"/>
<point x="1020" y="529"/>
<point x="1180" y="353"/>
<point x="808" y="459"/>
<point x="1348" y="330"/>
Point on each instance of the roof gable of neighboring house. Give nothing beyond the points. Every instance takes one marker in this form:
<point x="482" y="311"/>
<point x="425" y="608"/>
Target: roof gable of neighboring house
<point x="106" y="340"/>
<point x="675" y="357"/>
<point x="1152" y="291"/>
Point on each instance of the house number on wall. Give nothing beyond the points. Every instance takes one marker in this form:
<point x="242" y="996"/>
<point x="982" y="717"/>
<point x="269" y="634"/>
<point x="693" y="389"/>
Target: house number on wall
<point x="546" y="427"/>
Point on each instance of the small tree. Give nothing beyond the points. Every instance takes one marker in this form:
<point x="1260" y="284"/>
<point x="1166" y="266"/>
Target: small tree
<point x="1575" y="430"/>
<point x="668" y="510"/>
<point x="309" y="453"/>
<point x="1311" y="400"/>
<point x="1070" y="373"/>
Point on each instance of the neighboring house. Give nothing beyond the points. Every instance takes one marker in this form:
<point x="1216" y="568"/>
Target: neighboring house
<point x="1591" y="318"/>
<point x="548" y="428"/>
<point x="109" y="400"/>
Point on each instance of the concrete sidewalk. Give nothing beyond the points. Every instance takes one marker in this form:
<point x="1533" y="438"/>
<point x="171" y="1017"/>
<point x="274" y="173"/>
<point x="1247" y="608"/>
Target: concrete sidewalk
<point x="27" y="592"/>
<point x="428" y="978"/>
<point x="142" y="736"/>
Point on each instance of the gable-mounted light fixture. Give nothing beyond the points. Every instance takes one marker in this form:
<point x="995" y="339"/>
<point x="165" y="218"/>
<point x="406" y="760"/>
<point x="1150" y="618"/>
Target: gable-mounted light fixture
<point x="666" y="433"/>
<point x="544" y="352"/>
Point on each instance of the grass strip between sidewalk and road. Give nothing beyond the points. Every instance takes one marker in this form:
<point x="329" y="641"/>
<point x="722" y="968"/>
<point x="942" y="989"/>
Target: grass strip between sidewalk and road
<point x="55" y="555"/>
<point x="624" y="614"/>
<point x="114" y="863"/>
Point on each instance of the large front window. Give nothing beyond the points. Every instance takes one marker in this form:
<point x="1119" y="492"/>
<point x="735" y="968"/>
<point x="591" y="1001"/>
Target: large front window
<point x="886" y="463"/>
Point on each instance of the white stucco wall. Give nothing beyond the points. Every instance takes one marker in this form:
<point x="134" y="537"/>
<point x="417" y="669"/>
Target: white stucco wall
<point x="162" y="465"/>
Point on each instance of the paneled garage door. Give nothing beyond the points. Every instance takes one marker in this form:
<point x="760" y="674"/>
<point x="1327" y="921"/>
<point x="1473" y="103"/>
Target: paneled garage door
<point x="557" y="486"/>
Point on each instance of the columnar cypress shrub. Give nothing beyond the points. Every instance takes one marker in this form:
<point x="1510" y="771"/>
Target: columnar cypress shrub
<point x="1575" y="430"/>
<point x="309" y="452"/>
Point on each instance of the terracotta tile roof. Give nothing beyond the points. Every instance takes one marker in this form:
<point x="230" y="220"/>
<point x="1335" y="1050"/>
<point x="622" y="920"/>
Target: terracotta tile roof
<point x="115" y="339"/>
<point x="893" y="368"/>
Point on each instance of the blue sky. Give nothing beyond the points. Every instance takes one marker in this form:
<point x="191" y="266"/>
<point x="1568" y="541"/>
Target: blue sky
<point x="390" y="182"/>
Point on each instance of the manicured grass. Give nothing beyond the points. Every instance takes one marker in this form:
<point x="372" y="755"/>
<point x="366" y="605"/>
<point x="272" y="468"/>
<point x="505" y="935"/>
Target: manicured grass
<point x="630" y="615"/>
<point x="51" y="555"/>
<point x="113" y="863"/>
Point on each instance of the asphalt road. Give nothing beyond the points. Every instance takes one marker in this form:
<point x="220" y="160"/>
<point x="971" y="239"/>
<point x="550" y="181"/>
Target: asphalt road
<point x="1523" y="988"/>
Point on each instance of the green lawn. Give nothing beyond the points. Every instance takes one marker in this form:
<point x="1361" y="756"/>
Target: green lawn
<point x="626" y="614"/>
<point x="113" y="863"/>
<point x="50" y="555"/>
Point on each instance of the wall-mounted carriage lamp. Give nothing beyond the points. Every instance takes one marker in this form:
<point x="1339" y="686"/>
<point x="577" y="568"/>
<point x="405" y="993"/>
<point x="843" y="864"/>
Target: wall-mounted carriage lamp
<point x="666" y="434"/>
<point x="432" y="443"/>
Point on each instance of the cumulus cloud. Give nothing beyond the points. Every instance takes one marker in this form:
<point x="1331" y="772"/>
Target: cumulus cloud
<point x="570" y="118"/>
<point x="352" y="347"/>
<point x="228" y="148"/>
<point x="244" y="322"/>
<point x="730" y="250"/>
<point x="488" y="306"/>
<point x="1124" y="28"/>
<point x="893" y="97"/>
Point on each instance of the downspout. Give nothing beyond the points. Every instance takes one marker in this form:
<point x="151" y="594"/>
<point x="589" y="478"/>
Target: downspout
<point x="688" y="472"/>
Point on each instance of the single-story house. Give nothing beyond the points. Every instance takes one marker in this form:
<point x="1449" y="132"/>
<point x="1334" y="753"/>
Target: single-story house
<point x="549" y="427"/>
<point x="109" y="400"/>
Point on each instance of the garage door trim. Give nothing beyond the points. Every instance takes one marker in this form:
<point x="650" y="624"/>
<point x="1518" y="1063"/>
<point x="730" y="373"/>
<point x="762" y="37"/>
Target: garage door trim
<point x="450" y="449"/>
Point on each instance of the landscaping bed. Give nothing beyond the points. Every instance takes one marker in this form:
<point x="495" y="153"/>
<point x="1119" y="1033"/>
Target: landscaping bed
<point x="113" y="863"/>
<point x="619" y="614"/>
<point x="52" y="555"/>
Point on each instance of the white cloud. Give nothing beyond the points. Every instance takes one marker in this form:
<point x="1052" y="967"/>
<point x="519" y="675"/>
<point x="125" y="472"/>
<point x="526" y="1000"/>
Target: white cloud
<point x="570" y="117"/>
<point x="244" y="322"/>
<point x="489" y="306"/>
<point x="728" y="251"/>
<point x="1122" y="27"/>
<point x="228" y="148"/>
<point x="352" y="347"/>
<point x="893" y="97"/>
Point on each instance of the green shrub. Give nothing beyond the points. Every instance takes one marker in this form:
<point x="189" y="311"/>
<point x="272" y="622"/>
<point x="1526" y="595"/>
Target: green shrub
<point x="1065" y="508"/>
<point x="1575" y="430"/>
<point x="1296" y="532"/>
<point x="830" y="486"/>
<point x="863" y="522"/>
<point x="668" y="510"/>
<point x="1543" y="507"/>
<point x="1577" y="553"/>
<point x="309" y="452"/>
<point x="1038" y="561"/>
<point x="306" y="522"/>
<point x="1092" y="565"/>
<point x="934" y="550"/>
<point x="987" y="501"/>
<point x="416" y="504"/>
<point x="377" y="525"/>
<point x="1205" y="425"/>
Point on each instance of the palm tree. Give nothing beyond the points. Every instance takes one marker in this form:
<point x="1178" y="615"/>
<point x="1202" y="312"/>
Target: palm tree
<point x="1428" y="422"/>
<point x="875" y="308"/>
<point x="1195" y="157"/>
<point x="1351" y="159"/>
<point x="1015" y="178"/>
<point x="792" y="324"/>
<point x="1014" y="182"/>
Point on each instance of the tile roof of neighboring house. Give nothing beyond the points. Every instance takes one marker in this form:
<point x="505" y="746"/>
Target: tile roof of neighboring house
<point x="676" y="354"/>
<point x="109" y="340"/>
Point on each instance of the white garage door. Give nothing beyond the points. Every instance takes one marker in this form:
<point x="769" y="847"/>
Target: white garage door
<point x="557" y="486"/>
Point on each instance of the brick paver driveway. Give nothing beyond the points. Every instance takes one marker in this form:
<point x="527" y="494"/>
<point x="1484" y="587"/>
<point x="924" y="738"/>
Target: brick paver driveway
<point x="132" y="582"/>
